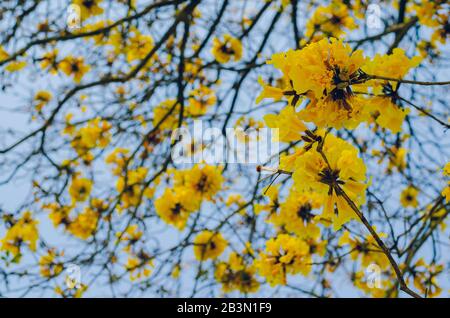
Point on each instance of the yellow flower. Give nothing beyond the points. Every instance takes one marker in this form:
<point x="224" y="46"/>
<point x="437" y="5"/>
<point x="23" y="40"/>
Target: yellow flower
<point x="22" y="232"/>
<point x="324" y="72"/>
<point x="49" y="61"/>
<point x="236" y="274"/>
<point x="273" y="205"/>
<point x="3" y="54"/>
<point x="89" y="8"/>
<point x="176" y="271"/>
<point x="368" y="250"/>
<point x="85" y="224"/>
<point x="329" y="21"/>
<point x="388" y="115"/>
<point x="59" y="214"/>
<point x="226" y="49"/>
<point x="102" y="37"/>
<point x="48" y="266"/>
<point x="209" y="245"/>
<point x="204" y="181"/>
<point x="408" y="197"/>
<point x="276" y="93"/>
<point x="80" y="189"/>
<point x="296" y="214"/>
<point x="15" y="66"/>
<point x="132" y="234"/>
<point x="341" y="169"/>
<point x="446" y="170"/>
<point x="288" y="122"/>
<point x="425" y="277"/>
<point x="426" y="11"/>
<point x="446" y="193"/>
<point x="119" y="158"/>
<point x="235" y="199"/>
<point x="441" y="33"/>
<point x="397" y="159"/>
<point x="395" y="65"/>
<point x="42" y="98"/>
<point x="174" y="207"/>
<point x="139" y="266"/>
<point x="166" y="114"/>
<point x="74" y="66"/>
<point x="247" y="129"/>
<point x="140" y="45"/>
<point x="131" y="187"/>
<point x="200" y="100"/>
<point x="96" y="133"/>
<point x="283" y="255"/>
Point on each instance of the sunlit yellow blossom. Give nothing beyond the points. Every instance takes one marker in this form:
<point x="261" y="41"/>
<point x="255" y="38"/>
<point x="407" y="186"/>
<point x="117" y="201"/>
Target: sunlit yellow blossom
<point x="273" y="205"/>
<point x="49" y="61"/>
<point x="15" y="66"/>
<point x="296" y="214"/>
<point x="288" y="122"/>
<point x="442" y="32"/>
<point x="236" y="274"/>
<point x="42" y="98"/>
<point x="425" y="277"/>
<point x="203" y="180"/>
<point x="59" y="214"/>
<point x="226" y="49"/>
<point x="102" y="37"/>
<point x="446" y="170"/>
<point x="446" y="193"/>
<point x="132" y="234"/>
<point x="276" y="93"/>
<point x="209" y="245"/>
<point x="166" y="114"/>
<point x="388" y="115"/>
<point x="283" y="255"/>
<point x="49" y="266"/>
<point x="80" y="189"/>
<point x="131" y="187"/>
<point x="174" y="207"/>
<point x="329" y="21"/>
<point x="408" y="197"/>
<point x="119" y="158"/>
<point x="200" y="100"/>
<point x="74" y="66"/>
<point x="337" y="169"/>
<point x="397" y="159"/>
<point x="89" y="8"/>
<point x="3" y="54"/>
<point x="85" y="224"/>
<point x="140" y="45"/>
<point x="139" y="266"/>
<point x="235" y="199"/>
<point x="395" y="65"/>
<point x="23" y="232"/>
<point x="425" y="11"/>
<point x="324" y="72"/>
<point x="368" y="250"/>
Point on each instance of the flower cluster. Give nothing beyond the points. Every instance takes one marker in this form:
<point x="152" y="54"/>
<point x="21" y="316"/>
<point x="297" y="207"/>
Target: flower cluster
<point x="190" y="188"/>
<point x="333" y="79"/>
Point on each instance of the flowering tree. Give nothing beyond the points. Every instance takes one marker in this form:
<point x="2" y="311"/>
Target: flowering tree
<point x="357" y="203"/>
